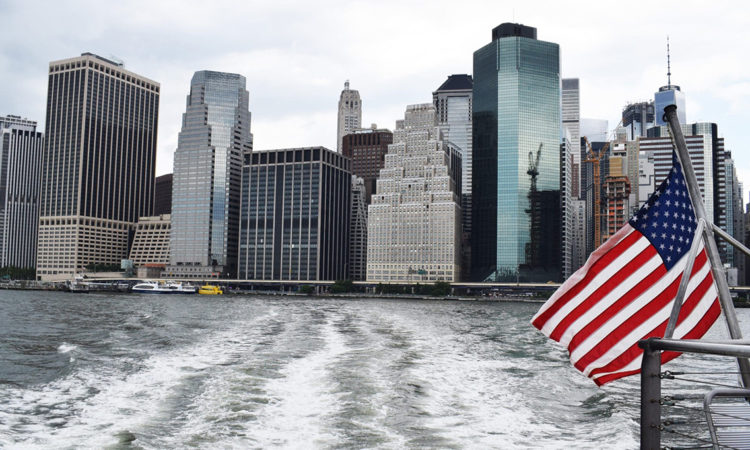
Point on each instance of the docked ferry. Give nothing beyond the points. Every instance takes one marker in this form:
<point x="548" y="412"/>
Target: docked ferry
<point x="153" y="287"/>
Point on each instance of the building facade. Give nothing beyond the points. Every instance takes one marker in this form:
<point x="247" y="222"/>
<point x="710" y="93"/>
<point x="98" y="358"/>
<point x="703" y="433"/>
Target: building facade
<point x="637" y="118"/>
<point x="295" y="215"/>
<point x="350" y="114"/>
<point x="207" y="174"/>
<point x="21" y="148"/>
<point x="367" y="148"/>
<point x="151" y="241"/>
<point x="414" y="220"/>
<point x="516" y="158"/>
<point x="99" y="159"/>
<point x="453" y="106"/>
<point x="358" y="231"/>
<point x="163" y="195"/>
<point x="571" y="121"/>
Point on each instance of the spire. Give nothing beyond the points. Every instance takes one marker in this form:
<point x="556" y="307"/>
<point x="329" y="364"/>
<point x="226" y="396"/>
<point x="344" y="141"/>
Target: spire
<point x="669" y="69"/>
<point x="346" y="85"/>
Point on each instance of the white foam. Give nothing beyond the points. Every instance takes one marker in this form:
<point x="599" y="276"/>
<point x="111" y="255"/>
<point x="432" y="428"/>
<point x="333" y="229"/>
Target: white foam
<point x="66" y="348"/>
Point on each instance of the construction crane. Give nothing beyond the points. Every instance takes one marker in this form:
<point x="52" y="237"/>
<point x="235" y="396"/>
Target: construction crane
<point x="595" y="158"/>
<point x="534" y="211"/>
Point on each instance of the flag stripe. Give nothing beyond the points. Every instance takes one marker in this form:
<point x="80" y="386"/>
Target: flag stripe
<point x="596" y="263"/>
<point x="625" y="346"/>
<point x="623" y="254"/>
<point x="628" y="309"/>
<point x="627" y="276"/>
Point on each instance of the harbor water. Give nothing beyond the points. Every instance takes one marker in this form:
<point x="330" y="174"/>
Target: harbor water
<point x="140" y="371"/>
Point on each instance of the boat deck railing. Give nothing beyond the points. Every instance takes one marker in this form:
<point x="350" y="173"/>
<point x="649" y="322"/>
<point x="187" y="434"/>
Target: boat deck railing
<point x="703" y="409"/>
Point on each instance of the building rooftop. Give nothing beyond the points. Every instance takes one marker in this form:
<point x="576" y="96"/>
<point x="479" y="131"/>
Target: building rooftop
<point x="508" y="29"/>
<point x="457" y="82"/>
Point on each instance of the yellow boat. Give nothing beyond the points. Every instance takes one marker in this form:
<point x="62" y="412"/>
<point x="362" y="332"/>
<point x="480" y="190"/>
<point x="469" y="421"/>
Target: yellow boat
<point x="210" y="290"/>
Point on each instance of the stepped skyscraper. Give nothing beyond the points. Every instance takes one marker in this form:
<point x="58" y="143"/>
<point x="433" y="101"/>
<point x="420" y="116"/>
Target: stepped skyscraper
<point x="516" y="157"/>
<point x="207" y="174"/>
<point x="414" y="220"/>
<point x="99" y="159"/>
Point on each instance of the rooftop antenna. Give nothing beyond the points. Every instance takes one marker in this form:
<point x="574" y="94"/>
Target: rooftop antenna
<point x="346" y="85"/>
<point x="669" y="68"/>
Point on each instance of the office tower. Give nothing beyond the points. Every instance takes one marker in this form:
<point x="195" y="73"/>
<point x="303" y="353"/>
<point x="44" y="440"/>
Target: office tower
<point x="367" y="149"/>
<point x="637" y="118"/>
<point x="151" y="241"/>
<point x="578" y="226"/>
<point x="414" y="220"/>
<point x="665" y="96"/>
<point x="629" y="151"/>
<point x="358" y="231"/>
<point x="295" y="215"/>
<point x="99" y="159"/>
<point x="350" y="114"/>
<point x="571" y="120"/>
<point x="597" y="155"/>
<point x="646" y="178"/>
<point x="163" y="195"/>
<point x="453" y="107"/>
<point x="566" y="198"/>
<point x="207" y="174"/>
<point x="516" y="158"/>
<point x="20" y="174"/>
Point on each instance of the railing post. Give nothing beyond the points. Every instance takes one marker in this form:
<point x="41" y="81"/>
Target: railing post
<point x="650" y="398"/>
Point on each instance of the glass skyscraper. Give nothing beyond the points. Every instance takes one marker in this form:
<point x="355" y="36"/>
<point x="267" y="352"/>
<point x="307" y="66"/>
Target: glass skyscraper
<point x="207" y="173"/>
<point x="516" y="157"/>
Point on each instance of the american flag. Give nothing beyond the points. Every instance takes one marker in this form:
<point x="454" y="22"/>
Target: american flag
<point x="624" y="292"/>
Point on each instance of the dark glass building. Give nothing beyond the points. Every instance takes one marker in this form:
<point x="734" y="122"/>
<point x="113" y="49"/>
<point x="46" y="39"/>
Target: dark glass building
<point x="516" y="158"/>
<point x="20" y="172"/>
<point x="99" y="160"/>
<point x="295" y="215"/>
<point x="163" y="195"/>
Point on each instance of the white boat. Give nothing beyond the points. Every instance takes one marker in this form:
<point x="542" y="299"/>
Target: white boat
<point x="153" y="287"/>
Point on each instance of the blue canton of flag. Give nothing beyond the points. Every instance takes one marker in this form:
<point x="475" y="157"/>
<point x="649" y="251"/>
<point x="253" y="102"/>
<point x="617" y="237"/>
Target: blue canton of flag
<point x="667" y="218"/>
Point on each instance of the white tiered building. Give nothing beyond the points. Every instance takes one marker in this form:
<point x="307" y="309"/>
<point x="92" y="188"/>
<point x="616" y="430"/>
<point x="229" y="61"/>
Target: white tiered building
<point x="414" y="220"/>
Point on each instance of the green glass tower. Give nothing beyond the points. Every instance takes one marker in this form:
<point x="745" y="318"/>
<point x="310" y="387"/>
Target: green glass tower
<point x="516" y="160"/>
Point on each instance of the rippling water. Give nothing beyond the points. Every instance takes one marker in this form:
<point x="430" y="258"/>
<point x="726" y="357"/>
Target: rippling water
<point x="261" y="372"/>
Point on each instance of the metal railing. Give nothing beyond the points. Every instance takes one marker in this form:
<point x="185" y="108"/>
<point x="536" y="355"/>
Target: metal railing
<point x="652" y="400"/>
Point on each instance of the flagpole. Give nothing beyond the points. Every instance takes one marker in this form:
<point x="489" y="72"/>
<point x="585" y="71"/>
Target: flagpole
<point x="725" y="298"/>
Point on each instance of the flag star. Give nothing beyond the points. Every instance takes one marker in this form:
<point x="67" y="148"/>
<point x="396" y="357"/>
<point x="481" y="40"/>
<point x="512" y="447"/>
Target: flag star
<point x="644" y="225"/>
<point x="665" y="224"/>
<point x="654" y="224"/>
<point x="674" y="226"/>
<point x="679" y="250"/>
<point x="656" y="213"/>
<point x="680" y="238"/>
<point x="646" y="206"/>
<point x="673" y="237"/>
<point x="676" y="215"/>
<point x="669" y="191"/>
<point x="653" y="235"/>
<point x="682" y="227"/>
<point x="671" y="247"/>
<point x="645" y="216"/>
<point x="657" y="203"/>
<point x="667" y="180"/>
<point x="663" y="235"/>
<point x="661" y="246"/>
<point x="669" y="258"/>
<point x="668" y="203"/>
<point x="635" y="218"/>
<point x="683" y="217"/>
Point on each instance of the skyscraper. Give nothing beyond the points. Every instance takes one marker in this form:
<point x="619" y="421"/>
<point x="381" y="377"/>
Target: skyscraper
<point x="367" y="148"/>
<point x="207" y="173"/>
<point x="637" y="118"/>
<point x="350" y="114"/>
<point x="163" y="195"/>
<point x="571" y="120"/>
<point x="414" y="220"/>
<point x="516" y="163"/>
<point x="20" y="174"/>
<point x="295" y="215"/>
<point x="358" y="231"/>
<point x="452" y="102"/>
<point x="99" y="159"/>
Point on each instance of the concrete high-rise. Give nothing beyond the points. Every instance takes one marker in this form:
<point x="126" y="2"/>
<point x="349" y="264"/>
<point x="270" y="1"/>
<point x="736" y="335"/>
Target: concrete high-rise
<point x="207" y="174"/>
<point x="414" y="220"/>
<point x="295" y="215"/>
<point x="453" y="106"/>
<point x="571" y="120"/>
<point x="99" y="159"/>
<point x="20" y="174"/>
<point x="516" y="158"/>
<point x="358" y="231"/>
<point x="350" y="114"/>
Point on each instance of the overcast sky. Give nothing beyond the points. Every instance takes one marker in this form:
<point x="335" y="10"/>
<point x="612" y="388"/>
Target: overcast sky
<point x="297" y="55"/>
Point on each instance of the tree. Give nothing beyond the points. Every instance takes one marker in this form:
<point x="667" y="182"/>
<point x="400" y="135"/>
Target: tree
<point x="342" y="286"/>
<point x="441" y="289"/>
